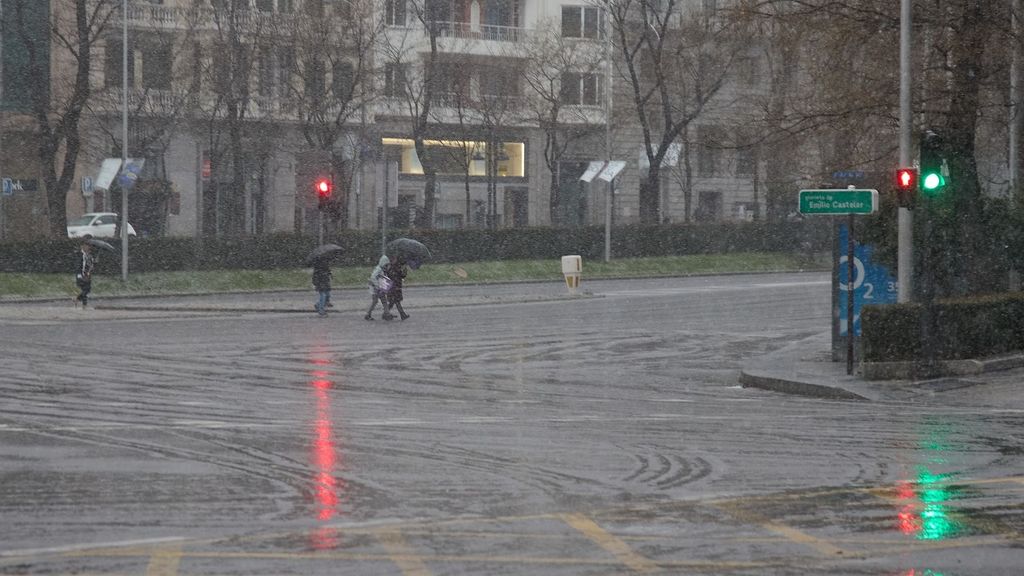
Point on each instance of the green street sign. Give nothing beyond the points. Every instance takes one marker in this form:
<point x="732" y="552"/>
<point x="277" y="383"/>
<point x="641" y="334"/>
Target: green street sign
<point x="838" y="201"/>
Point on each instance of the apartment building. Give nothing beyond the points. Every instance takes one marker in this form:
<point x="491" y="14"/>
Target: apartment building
<point x="233" y="104"/>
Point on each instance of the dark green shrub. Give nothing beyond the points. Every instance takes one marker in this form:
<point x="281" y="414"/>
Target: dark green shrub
<point x="362" y="248"/>
<point x="964" y="328"/>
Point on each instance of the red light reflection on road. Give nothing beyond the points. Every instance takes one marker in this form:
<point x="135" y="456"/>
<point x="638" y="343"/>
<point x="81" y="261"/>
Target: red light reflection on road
<point x="328" y="487"/>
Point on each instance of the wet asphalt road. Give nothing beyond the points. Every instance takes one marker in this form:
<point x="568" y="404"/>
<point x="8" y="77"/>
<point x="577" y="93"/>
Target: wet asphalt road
<point x="600" y="435"/>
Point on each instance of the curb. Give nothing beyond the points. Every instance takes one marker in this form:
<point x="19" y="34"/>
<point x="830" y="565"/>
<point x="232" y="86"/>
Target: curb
<point x="750" y="379"/>
<point x="45" y="299"/>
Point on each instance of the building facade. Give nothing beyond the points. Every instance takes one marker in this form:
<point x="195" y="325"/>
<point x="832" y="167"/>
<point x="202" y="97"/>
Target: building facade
<point x="463" y="113"/>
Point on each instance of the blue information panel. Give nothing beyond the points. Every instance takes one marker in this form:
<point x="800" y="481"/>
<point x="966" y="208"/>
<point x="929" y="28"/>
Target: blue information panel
<point x="872" y="282"/>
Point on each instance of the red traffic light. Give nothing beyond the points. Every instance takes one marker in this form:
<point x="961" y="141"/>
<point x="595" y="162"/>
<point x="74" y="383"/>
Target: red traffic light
<point x="323" y="187"/>
<point x="906" y="179"/>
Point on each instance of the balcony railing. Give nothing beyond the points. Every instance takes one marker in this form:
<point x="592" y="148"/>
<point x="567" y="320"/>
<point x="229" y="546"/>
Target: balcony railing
<point x="469" y="31"/>
<point x="158" y="16"/>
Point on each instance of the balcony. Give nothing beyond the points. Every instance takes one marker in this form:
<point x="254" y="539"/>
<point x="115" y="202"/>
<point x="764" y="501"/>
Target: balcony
<point x="155" y="16"/>
<point x="471" y="31"/>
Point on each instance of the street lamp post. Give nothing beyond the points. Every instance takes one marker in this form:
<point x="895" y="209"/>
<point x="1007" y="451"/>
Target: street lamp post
<point x="124" y="139"/>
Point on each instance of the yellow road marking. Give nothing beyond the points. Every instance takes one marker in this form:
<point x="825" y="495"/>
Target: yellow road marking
<point x="402" y="554"/>
<point x="164" y="561"/>
<point x="452" y="559"/>
<point x="788" y="532"/>
<point x="609" y="542"/>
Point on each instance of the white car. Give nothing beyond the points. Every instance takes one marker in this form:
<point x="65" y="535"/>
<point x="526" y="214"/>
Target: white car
<point x="95" y="225"/>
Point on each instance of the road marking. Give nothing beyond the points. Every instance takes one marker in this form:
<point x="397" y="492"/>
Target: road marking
<point x="609" y="542"/>
<point x="402" y="554"/>
<point x="164" y="562"/>
<point x="70" y="548"/>
<point x="788" y="532"/>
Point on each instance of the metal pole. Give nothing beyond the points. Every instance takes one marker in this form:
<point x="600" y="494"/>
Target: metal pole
<point x="850" y="271"/>
<point x="905" y="234"/>
<point x="124" y="139"/>
<point x="608" y="221"/>
<point x="384" y="208"/>
<point x="609" y="203"/>
<point x="3" y="216"/>
<point x="1015" y="116"/>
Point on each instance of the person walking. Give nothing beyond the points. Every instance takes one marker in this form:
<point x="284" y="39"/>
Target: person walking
<point x="396" y="272"/>
<point x="83" y="278"/>
<point x="322" y="283"/>
<point x="378" y="292"/>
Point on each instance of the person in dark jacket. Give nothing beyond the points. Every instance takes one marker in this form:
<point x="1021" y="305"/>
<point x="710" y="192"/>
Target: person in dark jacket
<point x="396" y="272"/>
<point x="322" y="283"/>
<point x="83" y="277"/>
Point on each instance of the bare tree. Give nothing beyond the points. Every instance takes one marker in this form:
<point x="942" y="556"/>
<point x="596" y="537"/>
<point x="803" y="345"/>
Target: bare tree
<point x="411" y="78"/>
<point x="338" y="42"/>
<point x="158" y="108"/>
<point x="559" y="73"/>
<point x="225" y="65"/>
<point x="848" y="108"/>
<point x="674" y="62"/>
<point x="57" y="101"/>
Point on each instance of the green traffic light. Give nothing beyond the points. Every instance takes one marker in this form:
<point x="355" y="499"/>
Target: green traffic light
<point x="932" y="181"/>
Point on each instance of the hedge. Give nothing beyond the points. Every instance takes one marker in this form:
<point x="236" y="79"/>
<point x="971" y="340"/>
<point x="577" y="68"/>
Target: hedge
<point x="975" y="327"/>
<point x="362" y="247"/>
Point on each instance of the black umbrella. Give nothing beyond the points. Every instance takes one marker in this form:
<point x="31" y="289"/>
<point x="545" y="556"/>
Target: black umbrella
<point x="407" y="249"/>
<point x="99" y="244"/>
<point x="323" y="251"/>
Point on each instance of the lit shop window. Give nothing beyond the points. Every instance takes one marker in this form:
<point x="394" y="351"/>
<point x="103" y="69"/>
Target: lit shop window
<point x="457" y="157"/>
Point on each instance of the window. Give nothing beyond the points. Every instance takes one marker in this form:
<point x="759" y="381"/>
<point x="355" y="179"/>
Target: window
<point x="709" y="207"/>
<point x="315" y="8"/>
<point x="342" y="80"/>
<point x="156" y="66"/>
<point x="395" y="12"/>
<point x="285" y="69"/>
<point x="747" y="73"/>
<point x="577" y="89"/>
<point x="265" y="73"/>
<point x="499" y="81"/>
<point x="582" y="22"/>
<point x="707" y="152"/>
<point x="745" y="164"/>
<point x="265" y="5"/>
<point x="314" y="82"/>
<point x="114" y="65"/>
<point x="394" y="80"/>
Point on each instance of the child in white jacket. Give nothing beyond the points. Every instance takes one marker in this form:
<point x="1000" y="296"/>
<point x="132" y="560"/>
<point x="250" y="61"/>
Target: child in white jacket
<point x="378" y="292"/>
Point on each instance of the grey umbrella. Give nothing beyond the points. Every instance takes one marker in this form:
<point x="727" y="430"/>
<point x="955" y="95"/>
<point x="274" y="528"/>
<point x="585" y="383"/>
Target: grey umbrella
<point x="407" y="249"/>
<point x="323" y="251"/>
<point x="99" y="244"/>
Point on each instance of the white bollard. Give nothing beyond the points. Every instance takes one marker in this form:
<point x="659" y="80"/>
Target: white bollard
<point x="572" y="267"/>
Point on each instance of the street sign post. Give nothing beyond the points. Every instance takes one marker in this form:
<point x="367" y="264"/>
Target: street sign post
<point x="849" y="201"/>
<point x="837" y="202"/>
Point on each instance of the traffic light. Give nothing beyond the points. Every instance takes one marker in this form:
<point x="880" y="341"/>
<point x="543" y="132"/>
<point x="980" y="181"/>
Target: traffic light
<point x="906" y="187"/>
<point x="323" y="187"/>
<point x="934" y="171"/>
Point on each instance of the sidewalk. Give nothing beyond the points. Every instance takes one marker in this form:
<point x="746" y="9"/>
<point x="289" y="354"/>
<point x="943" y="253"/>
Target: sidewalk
<point x="806" y="368"/>
<point x="348" y="301"/>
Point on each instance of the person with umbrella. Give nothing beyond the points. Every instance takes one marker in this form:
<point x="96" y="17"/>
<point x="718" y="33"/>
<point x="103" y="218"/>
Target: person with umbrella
<point x="402" y="252"/>
<point x="320" y="258"/>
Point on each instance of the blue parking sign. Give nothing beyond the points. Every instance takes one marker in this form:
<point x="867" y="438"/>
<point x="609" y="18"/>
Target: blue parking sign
<point x="873" y="283"/>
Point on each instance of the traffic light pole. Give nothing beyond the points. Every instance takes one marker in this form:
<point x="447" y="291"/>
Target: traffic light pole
<point x="851" y="271"/>
<point x="905" y="234"/>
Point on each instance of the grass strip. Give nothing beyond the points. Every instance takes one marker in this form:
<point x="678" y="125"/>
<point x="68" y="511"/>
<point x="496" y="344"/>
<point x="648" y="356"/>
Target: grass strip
<point x="14" y="285"/>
